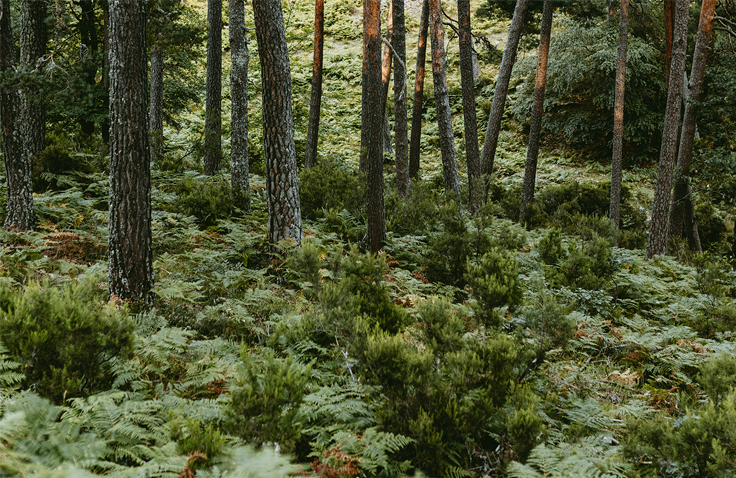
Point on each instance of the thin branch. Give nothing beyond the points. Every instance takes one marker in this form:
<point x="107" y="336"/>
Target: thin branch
<point x="398" y="60"/>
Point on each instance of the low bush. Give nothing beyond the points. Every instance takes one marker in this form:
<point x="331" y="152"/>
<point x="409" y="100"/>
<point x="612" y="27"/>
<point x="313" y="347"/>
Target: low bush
<point x="494" y="280"/>
<point x="329" y="185"/>
<point x="206" y="198"/>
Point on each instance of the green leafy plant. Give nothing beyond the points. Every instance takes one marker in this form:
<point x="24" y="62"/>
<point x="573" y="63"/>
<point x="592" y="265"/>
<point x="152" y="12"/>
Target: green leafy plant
<point x="495" y="283"/>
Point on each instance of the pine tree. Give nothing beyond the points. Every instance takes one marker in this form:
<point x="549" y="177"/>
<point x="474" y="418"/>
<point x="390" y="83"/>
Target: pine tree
<point x="213" y="109"/>
<point x="618" y="116"/>
<point x="467" y="79"/>
<point x="316" y="97"/>
<point x="403" y="182"/>
<point x="416" y="113"/>
<point x="156" y="114"/>
<point x="239" y="57"/>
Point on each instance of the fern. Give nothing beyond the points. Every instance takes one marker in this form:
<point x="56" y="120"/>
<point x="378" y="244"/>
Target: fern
<point x="9" y="377"/>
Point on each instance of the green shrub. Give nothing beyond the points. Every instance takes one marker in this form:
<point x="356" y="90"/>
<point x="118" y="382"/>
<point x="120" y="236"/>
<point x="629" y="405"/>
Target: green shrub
<point x="63" y="337"/>
<point x="586" y="267"/>
<point x="525" y="428"/>
<point x="329" y="185"/>
<point x="304" y="263"/>
<point x="61" y="156"/>
<point x="193" y="437"/>
<point x="711" y="227"/>
<point x="417" y="214"/>
<point x="544" y="325"/>
<point x="206" y="198"/>
<point x="550" y="247"/>
<point x="443" y="328"/>
<point x="495" y="283"/>
<point x="718" y="376"/>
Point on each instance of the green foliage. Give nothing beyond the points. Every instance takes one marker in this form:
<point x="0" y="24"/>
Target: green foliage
<point x="61" y="157"/>
<point x="550" y="247"/>
<point x="525" y="428"/>
<point x="331" y="186"/>
<point x="192" y="436"/>
<point x="586" y="267"/>
<point x="711" y="227"/>
<point x="416" y="214"/>
<point x="718" y="376"/>
<point x="494" y="280"/>
<point x="305" y="263"/>
<point x="544" y="325"/>
<point x="206" y="198"/>
<point x="443" y="327"/>
<point x="9" y="377"/>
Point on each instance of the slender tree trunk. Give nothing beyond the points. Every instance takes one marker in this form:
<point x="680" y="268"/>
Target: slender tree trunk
<point x="535" y="129"/>
<point x="488" y="154"/>
<point x="669" y="26"/>
<point x="372" y="119"/>
<point x="130" y="272"/>
<point x="657" y="243"/>
<point x="386" y="132"/>
<point x="403" y="182"/>
<point x="416" y="113"/>
<point x="442" y="99"/>
<point x="213" y="110"/>
<point x="240" y="57"/>
<point x="681" y="201"/>
<point x="88" y="38"/>
<point x="157" y="103"/>
<point x="284" y="211"/>
<point x="316" y="99"/>
<point x="467" y="77"/>
<point x="386" y="79"/>
<point x="618" y="116"/>
<point x="106" y="69"/>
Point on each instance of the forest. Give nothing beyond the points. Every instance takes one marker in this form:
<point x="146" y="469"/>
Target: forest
<point x="368" y="238"/>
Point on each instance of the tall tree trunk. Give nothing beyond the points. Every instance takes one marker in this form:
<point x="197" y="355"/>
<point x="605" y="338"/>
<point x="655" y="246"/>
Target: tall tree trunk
<point x="657" y="243"/>
<point x="316" y="99"/>
<point x="386" y="79"/>
<point x="681" y="201"/>
<point x="488" y="154"/>
<point x="371" y="149"/>
<point x="130" y="272"/>
<point x="467" y="78"/>
<point x="157" y="103"/>
<point x="618" y="116"/>
<point x="106" y="69"/>
<point x="240" y="57"/>
<point x="442" y="100"/>
<point x="416" y="113"/>
<point x="535" y="129"/>
<point x="282" y="185"/>
<point x="88" y="39"/>
<point x="403" y="182"/>
<point x="19" y="208"/>
<point x="669" y="26"/>
<point x="213" y="110"/>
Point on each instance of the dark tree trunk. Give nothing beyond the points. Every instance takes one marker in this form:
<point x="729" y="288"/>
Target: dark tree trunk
<point x="106" y="68"/>
<point x="282" y="185"/>
<point x="416" y="113"/>
<point x="386" y="132"/>
<point x="535" y="129"/>
<point x="88" y="39"/>
<point x="157" y="103"/>
<point x="657" y="243"/>
<point x="442" y="99"/>
<point x="213" y="110"/>
<point x="130" y="272"/>
<point x="618" y="116"/>
<point x="19" y="208"/>
<point x="681" y="202"/>
<point x="403" y="182"/>
<point x="470" y="122"/>
<point x="316" y="99"/>
<point x="669" y="26"/>
<point x="386" y="80"/>
<point x="488" y="154"/>
<point x="371" y="148"/>
<point x="240" y="57"/>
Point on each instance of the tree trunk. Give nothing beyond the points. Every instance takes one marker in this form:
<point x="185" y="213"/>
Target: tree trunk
<point x="282" y="185"/>
<point x="371" y="149"/>
<point x="442" y="100"/>
<point x="386" y="79"/>
<point x="386" y="133"/>
<point x="130" y="272"/>
<point x="669" y="26"/>
<point x="681" y="201"/>
<point x="213" y="110"/>
<point x="19" y="208"/>
<point x="416" y="113"/>
<point x="157" y="103"/>
<point x="239" y="58"/>
<point x="403" y="182"/>
<point x="488" y="154"/>
<point x="316" y="99"/>
<point x="467" y="77"/>
<point x="535" y="129"/>
<point x="618" y="116"/>
<point x="657" y="243"/>
<point x="88" y="39"/>
<point x="106" y="69"/>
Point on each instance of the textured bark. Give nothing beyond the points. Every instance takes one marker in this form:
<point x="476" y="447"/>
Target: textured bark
<point x="87" y="27"/>
<point x="316" y="99"/>
<point x="239" y="58"/>
<point x="669" y="26"/>
<point x="403" y="182"/>
<point x="282" y="185"/>
<point x="416" y="113"/>
<point x="618" y="116"/>
<point x="157" y="103"/>
<point x="386" y="80"/>
<point x="488" y="154"/>
<point x="657" y="243"/>
<point x="535" y="129"/>
<point x="130" y="272"/>
<point x="371" y="148"/>
<point x="105" y="127"/>
<point x="681" y="203"/>
<point x="442" y="99"/>
<point x="386" y="132"/>
<point x="213" y="109"/>
<point x="467" y="78"/>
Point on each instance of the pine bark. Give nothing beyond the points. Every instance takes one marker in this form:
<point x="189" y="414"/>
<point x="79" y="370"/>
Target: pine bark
<point x="371" y="147"/>
<point x="282" y="185"/>
<point x="470" y="122"/>
<point x="386" y="64"/>
<point x="669" y="26"/>
<point x="105" y="127"/>
<point x="442" y="99"/>
<point x="416" y="113"/>
<point x="657" y="243"/>
<point x="403" y="182"/>
<point x="239" y="57"/>
<point x="618" y="116"/>
<point x="88" y="39"/>
<point x="157" y="103"/>
<point x="488" y="154"/>
<point x="316" y="98"/>
<point x="682" y="207"/>
<point x="130" y="269"/>
<point x="213" y="109"/>
<point x="535" y="129"/>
